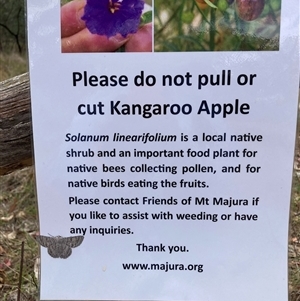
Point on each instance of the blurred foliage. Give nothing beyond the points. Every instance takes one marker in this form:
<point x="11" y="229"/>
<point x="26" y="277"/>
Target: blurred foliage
<point x="193" y="25"/>
<point x="12" y="26"/>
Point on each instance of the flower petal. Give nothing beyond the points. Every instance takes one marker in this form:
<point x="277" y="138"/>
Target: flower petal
<point x="110" y="17"/>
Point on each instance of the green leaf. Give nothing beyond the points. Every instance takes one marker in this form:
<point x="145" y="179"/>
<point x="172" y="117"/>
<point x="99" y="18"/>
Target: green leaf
<point x="146" y="18"/>
<point x="210" y="4"/>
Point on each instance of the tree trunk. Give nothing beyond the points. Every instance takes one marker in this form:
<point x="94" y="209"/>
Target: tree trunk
<point x="15" y="124"/>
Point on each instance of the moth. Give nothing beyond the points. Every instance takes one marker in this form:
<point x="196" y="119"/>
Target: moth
<point x="58" y="246"/>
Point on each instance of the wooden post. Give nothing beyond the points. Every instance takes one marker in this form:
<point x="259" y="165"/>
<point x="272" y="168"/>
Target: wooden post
<point x="15" y="124"/>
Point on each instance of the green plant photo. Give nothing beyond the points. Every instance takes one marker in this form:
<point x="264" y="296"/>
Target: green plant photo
<point x="217" y="25"/>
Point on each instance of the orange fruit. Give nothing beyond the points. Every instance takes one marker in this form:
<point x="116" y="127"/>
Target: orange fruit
<point x="202" y="4"/>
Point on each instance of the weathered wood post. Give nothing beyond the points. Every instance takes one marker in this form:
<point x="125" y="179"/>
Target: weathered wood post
<point x="15" y="124"/>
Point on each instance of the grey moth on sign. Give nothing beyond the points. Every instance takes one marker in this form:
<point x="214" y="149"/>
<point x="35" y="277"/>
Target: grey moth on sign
<point x="58" y="246"/>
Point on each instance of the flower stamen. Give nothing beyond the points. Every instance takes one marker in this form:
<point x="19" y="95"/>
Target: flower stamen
<point x="113" y="7"/>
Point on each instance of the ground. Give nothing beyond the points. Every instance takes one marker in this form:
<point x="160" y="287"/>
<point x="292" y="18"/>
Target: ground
<point x="18" y="222"/>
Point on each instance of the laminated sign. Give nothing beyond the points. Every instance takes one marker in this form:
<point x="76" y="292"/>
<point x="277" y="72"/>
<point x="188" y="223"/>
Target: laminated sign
<point x="164" y="135"/>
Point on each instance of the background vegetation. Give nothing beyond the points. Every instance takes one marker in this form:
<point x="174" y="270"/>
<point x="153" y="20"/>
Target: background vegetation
<point x="193" y="25"/>
<point x="12" y="26"/>
<point x="18" y="208"/>
<point x="13" y="59"/>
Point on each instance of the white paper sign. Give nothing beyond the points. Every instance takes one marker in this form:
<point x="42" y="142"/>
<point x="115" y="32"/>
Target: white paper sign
<point x="164" y="161"/>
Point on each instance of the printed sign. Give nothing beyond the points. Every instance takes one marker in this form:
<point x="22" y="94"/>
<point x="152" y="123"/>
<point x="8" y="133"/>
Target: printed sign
<point x="164" y="137"/>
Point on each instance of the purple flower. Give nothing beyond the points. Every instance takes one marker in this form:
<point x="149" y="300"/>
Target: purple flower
<point x="110" y="17"/>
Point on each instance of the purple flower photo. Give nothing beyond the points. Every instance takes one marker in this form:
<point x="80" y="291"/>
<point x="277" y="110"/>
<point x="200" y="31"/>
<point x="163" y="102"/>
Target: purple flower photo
<point x="111" y="17"/>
